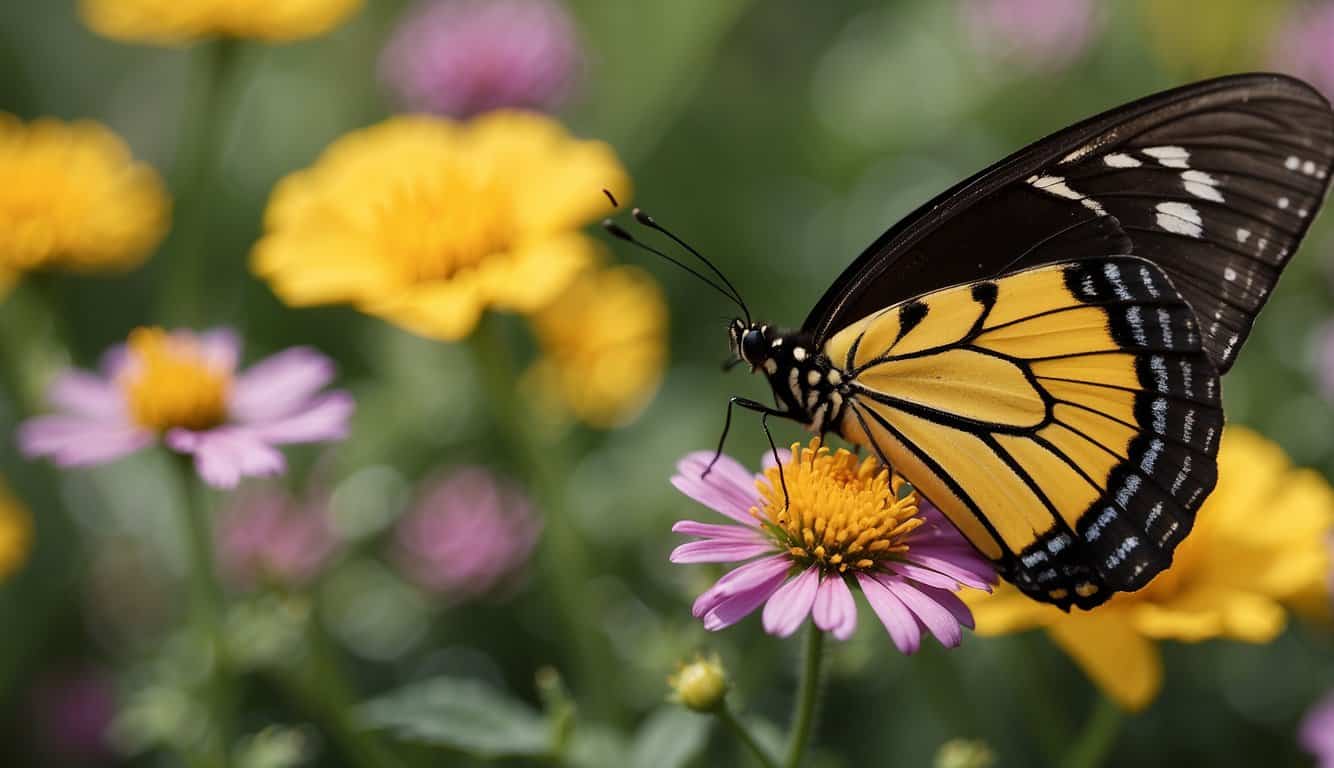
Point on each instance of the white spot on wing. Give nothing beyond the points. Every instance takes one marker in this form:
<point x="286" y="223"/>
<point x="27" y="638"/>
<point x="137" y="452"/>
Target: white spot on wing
<point x="1113" y="275"/>
<point x="1170" y="157"/>
<point x="1284" y="202"/>
<point x="1243" y="235"/>
<point x="1292" y="162"/>
<point x="1308" y="168"/>
<point x="1201" y="185"/>
<point x="1121" y="160"/>
<point x="1229" y="274"/>
<point x="1180" y="219"/>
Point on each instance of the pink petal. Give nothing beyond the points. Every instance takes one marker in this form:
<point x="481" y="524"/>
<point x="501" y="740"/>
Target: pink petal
<point x="85" y="394"/>
<point x="922" y="575"/>
<point x="713" y="531"/>
<point x="223" y="456"/>
<point x="221" y="346"/>
<point x="784" y="457"/>
<point x="898" y="620"/>
<point x="741" y="579"/>
<point x="729" y="489"/>
<point x="935" y="617"/>
<point x="791" y="604"/>
<point x="948" y="600"/>
<point x="324" y="419"/>
<point x="72" y="441"/>
<point x="835" y="611"/>
<point x="715" y="551"/>
<point x="740" y="605"/>
<point x="974" y="573"/>
<point x="280" y="384"/>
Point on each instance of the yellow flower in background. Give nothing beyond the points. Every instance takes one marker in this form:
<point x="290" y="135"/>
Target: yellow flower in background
<point x="15" y="532"/>
<point x="426" y="222"/>
<point x="1259" y="543"/>
<point x="1193" y="39"/>
<point x="72" y="198"/>
<point x="175" y="21"/>
<point x="603" y="346"/>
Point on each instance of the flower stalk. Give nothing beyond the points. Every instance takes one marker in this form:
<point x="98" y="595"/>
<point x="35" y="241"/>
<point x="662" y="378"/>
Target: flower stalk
<point x="808" y="695"/>
<point x="1098" y="736"/>
<point x="732" y="724"/>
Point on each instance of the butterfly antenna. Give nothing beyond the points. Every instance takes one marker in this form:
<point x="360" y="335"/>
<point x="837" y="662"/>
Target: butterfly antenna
<point x="651" y="223"/>
<point x="615" y="230"/>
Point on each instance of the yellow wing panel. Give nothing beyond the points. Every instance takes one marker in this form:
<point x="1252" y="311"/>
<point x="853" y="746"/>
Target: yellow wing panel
<point x="963" y="382"/>
<point x="1068" y="332"/>
<point x="1027" y="294"/>
<point x="1067" y="490"/>
<point x="1117" y="369"/>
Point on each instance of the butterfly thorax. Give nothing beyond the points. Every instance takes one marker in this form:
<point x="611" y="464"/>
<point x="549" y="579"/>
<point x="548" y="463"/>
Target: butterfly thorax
<point x="808" y="387"/>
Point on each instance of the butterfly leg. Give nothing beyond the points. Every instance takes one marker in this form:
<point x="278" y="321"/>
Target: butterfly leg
<point x="766" y="412"/>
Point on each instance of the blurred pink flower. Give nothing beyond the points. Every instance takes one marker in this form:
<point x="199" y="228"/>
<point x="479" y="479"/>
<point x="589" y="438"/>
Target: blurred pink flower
<point x="1041" y="34"/>
<point x="846" y="522"/>
<point x="267" y="536"/>
<point x="463" y="57"/>
<point x="466" y="535"/>
<point x="1324" y="360"/>
<point x="72" y="710"/>
<point x="183" y="388"/>
<point x="1304" y="45"/>
<point x="1317" y="731"/>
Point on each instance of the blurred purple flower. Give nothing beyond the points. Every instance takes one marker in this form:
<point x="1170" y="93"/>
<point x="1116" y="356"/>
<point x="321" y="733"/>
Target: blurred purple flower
<point x="183" y="388"/>
<point x="463" y="57"/>
<point x="72" y="711"/>
<point x="1324" y="360"/>
<point x="266" y="536"/>
<point x="846" y="520"/>
<point x="468" y="533"/>
<point x="1304" y="45"/>
<point x="1042" y="34"/>
<point x="1317" y="731"/>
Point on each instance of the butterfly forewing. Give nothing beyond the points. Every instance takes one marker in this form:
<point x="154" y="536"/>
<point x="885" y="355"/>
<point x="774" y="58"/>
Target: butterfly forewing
<point x="1215" y="183"/>
<point x="1064" y="417"/>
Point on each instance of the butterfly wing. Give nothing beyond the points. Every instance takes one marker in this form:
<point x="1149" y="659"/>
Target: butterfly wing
<point x="1064" y="417"/>
<point x="1216" y="183"/>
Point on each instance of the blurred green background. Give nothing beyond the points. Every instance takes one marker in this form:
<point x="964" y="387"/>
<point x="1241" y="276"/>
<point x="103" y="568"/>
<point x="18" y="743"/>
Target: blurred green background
<point x="777" y="137"/>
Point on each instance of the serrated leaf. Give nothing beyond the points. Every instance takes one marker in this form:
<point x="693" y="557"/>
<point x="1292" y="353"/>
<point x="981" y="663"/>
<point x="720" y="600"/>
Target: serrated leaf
<point x="670" y="738"/>
<point x="467" y="715"/>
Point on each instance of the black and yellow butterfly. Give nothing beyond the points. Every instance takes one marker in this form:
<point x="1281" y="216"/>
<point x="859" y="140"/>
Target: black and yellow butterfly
<point x="1038" y="349"/>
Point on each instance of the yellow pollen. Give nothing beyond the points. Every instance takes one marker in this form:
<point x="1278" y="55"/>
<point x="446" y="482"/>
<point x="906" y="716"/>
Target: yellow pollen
<point x="169" y="382"/>
<point x="841" y="511"/>
<point x="436" y="231"/>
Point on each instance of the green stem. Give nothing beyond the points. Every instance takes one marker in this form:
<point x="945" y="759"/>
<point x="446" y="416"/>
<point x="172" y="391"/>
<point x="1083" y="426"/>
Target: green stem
<point x="563" y="556"/>
<point x="203" y="134"/>
<point x="207" y="611"/>
<point x="1095" y="742"/>
<point x="803" y="719"/>
<point x="728" y="719"/>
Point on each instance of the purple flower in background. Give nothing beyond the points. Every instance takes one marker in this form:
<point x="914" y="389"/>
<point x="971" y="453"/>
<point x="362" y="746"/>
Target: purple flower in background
<point x="267" y="536"/>
<point x="462" y="57"/>
<point x="1324" y="360"/>
<point x="466" y="535"/>
<point x="844" y="522"/>
<point x="1043" y="34"/>
<point x="71" y="712"/>
<point x="1317" y="732"/>
<point x="1304" y="45"/>
<point x="183" y="388"/>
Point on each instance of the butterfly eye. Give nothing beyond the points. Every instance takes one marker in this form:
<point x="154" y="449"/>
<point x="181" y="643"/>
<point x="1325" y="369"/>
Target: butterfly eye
<point x="752" y="346"/>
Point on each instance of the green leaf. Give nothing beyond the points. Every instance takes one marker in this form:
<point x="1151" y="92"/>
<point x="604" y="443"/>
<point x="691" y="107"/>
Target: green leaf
<point x="670" y="738"/>
<point x="467" y="715"/>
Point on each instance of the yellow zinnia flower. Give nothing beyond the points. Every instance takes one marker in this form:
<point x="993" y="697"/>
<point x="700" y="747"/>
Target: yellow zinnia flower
<point x="603" y="346"/>
<point x="174" y="21"/>
<point x="425" y="221"/>
<point x="15" y="532"/>
<point x="1259" y="542"/>
<point x="71" y="197"/>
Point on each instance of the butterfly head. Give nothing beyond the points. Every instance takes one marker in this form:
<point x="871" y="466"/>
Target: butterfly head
<point x="751" y="342"/>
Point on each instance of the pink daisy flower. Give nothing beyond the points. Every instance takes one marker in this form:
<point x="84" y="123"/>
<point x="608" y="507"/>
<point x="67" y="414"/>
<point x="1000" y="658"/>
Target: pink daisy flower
<point x="267" y="536"/>
<point x="849" y="523"/>
<point x="1317" y="732"/>
<point x="183" y="389"/>
<point x="467" y="535"/>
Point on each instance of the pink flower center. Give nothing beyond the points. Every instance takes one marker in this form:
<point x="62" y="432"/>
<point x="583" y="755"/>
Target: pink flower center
<point x="170" y="382"/>
<point x="841" y="512"/>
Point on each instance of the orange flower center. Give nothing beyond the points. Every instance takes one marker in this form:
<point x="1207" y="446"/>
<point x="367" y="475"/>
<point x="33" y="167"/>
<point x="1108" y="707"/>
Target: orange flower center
<point x="841" y="512"/>
<point x="435" y="231"/>
<point x="169" y="382"/>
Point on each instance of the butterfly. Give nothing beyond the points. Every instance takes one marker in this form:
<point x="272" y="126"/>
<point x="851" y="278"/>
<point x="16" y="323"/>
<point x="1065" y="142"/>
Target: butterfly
<point x="1038" y="349"/>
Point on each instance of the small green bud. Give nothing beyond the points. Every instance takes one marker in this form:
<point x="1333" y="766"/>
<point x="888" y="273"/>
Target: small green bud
<point x="964" y="753"/>
<point x="700" y="685"/>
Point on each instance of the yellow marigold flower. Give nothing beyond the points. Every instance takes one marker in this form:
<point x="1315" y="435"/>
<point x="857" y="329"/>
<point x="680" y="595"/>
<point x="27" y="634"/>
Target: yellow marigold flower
<point x="15" y="532"/>
<point x="603" y="346"/>
<point x="71" y="197"/>
<point x="1259" y="542"/>
<point x="425" y="221"/>
<point x="175" y="21"/>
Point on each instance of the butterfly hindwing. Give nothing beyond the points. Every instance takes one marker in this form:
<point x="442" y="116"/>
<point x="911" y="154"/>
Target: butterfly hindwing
<point x="1065" y="418"/>
<point x="1215" y="183"/>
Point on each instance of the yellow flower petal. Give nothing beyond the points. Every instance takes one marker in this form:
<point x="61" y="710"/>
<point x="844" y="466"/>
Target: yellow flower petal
<point x="15" y="532"/>
<point x="175" y="21"/>
<point x="1125" y="665"/>
<point x="548" y="266"/>
<point x="440" y="310"/>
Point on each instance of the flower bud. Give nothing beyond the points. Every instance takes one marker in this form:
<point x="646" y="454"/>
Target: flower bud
<point x="700" y="685"/>
<point x="964" y="753"/>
